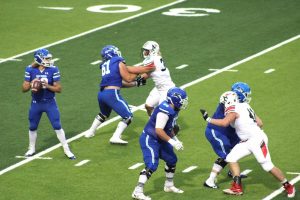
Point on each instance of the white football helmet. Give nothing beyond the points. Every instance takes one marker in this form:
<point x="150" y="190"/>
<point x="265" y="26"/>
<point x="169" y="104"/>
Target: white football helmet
<point x="150" y="48"/>
<point x="229" y="98"/>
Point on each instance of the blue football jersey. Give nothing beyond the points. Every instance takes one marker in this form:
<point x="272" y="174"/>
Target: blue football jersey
<point x="219" y="114"/>
<point x="111" y="73"/>
<point x="49" y="74"/>
<point x="167" y="109"/>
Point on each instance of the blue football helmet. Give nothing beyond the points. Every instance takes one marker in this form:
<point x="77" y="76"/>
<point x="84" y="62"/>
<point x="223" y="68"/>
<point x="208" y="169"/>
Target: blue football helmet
<point x="177" y="97"/>
<point x="243" y="91"/>
<point x="43" y="57"/>
<point x="110" y="51"/>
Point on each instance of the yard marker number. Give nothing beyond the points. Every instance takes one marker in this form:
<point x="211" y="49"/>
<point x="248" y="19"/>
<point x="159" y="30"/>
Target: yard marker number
<point x="187" y="170"/>
<point x="81" y="163"/>
<point x="135" y="166"/>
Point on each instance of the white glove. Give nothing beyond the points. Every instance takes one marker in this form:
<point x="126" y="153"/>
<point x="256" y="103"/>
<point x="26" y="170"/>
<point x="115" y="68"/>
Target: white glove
<point x="176" y="144"/>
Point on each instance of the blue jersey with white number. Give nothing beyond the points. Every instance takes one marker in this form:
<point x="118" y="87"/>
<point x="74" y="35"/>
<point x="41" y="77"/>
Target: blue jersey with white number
<point x="167" y="109"/>
<point x="219" y="114"/>
<point x="49" y="74"/>
<point x="111" y="73"/>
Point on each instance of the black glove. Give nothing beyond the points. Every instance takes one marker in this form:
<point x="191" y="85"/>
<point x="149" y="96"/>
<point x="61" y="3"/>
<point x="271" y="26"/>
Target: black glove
<point x="204" y="114"/>
<point x="176" y="129"/>
<point x="140" y="81"/>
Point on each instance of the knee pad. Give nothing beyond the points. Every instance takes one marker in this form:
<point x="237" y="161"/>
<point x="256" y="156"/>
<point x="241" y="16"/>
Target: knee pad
<point x="101" y="117"/>
<point x="127" y="120"/>
<point x="170" y="168"/>
<point x="146" y="172"/>
<point x="267" y="166"/>
<point x="221" y="162"/>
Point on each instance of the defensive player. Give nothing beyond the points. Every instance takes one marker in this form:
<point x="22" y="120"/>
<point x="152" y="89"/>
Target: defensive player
<point x="157" y="141"/>
<point x="253" y="141"/>
<point x="42" y="69"/>
<point x="223" y="139"/>
<point x="160" y="75"/>
<point x="115" y="73"/>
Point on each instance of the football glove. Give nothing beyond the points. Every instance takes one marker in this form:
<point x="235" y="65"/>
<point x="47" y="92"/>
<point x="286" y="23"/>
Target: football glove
<point x="205" y="115"/>
<point x="140" y="81"/>
<point x="176" y="129"/>
<point x="176" y="144"/>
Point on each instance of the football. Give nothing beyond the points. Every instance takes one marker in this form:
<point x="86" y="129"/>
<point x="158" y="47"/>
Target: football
<point x="36" y="85"/>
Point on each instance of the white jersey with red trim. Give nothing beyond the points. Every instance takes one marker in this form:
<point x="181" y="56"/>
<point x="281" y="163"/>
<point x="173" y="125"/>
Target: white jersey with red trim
<point x="245" y="125"/>
<point x="161" y="75"/>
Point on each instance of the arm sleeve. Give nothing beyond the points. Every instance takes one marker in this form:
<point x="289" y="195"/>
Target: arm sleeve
<point x="161" y="120"/>
<point x="27" y="74"/>
<point x="56" y="75"/>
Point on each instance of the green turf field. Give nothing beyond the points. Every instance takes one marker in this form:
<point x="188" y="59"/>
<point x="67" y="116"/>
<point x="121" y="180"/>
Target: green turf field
<point x="240" y="30"/>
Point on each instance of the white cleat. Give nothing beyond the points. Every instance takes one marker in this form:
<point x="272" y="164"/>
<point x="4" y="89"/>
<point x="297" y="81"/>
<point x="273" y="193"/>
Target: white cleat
<point x="115" y="140"/>
<point x="70" y="155"/>
<point x="140" y="196"/>
<point x="210" y="184"/>
<point x="89" y="134"/>
<point x="30" y="152"/>
<point x="173" y="189"/>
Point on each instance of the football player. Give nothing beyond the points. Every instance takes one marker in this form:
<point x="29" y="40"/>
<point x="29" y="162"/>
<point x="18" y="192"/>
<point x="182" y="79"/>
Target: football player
<point x="160" y="75"/>
<point x="157" y="141"/>
<point x="115" y="74"/>
<point x="223" y="139"/>
<point x="42" y="69"/>
<point x="253" y="141"/>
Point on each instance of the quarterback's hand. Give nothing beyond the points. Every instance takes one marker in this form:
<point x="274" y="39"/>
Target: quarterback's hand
<point x="205" y="115"/>
<point x="176" y="144"/>
<point x="140" y="81"/>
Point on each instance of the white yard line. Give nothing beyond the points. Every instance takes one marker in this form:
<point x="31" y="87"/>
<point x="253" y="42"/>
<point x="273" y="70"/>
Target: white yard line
<point x="269" y="71"/>
<point x="39" y="158"/>
<point x="280" y="190"/>
<point x="189" y="169"/>
<point x="96" y="62"/>
<point x="229" y="70"/>
<point x="182" y="66"/>
<point x="82" y="163"/>
<point x="93" y="30"/>
<point x="135" y="166"/>
<point x="241" y="61"/>
<point x="141" y="106"/>
<point x="56" y="8"/>
<point x="246" y="171"/>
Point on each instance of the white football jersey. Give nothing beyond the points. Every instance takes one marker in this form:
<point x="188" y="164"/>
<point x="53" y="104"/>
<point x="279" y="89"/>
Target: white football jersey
<point x="245" y="125"/>
<point x="161" y="75"/>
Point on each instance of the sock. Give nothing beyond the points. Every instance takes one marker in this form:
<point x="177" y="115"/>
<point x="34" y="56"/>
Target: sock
<point x="120" y="128"/>
<point x="62" y="138"/>
<point x="237" y="180"/>
<point x="142" y="180"/>
<point x="95" y="124"/>
<point x="32" y="139"/>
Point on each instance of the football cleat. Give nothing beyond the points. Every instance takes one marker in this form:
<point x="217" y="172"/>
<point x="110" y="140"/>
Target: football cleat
<point x="210" y="184"/>
<point x="30" y="152"/>
<point x="70" y="155"/>
<point x="116" y="140"/>
<point x="290" y="190"/>
<point x="234" y="190"/>
<point x="140" y="196"/>
<point x="89" y="134"/>
<point x="173" y="189"/>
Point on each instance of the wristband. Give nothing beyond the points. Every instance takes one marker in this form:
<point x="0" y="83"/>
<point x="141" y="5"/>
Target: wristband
<point x="172" y="141"/>
<point x="208" y="119"/>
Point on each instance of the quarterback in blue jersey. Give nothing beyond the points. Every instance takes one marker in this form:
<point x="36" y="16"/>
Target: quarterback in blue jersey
<point x="115" y="74"/>
<point x="43" y="100"/>
<point x="223" y="139"/>
<point x="157" y="141"/>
